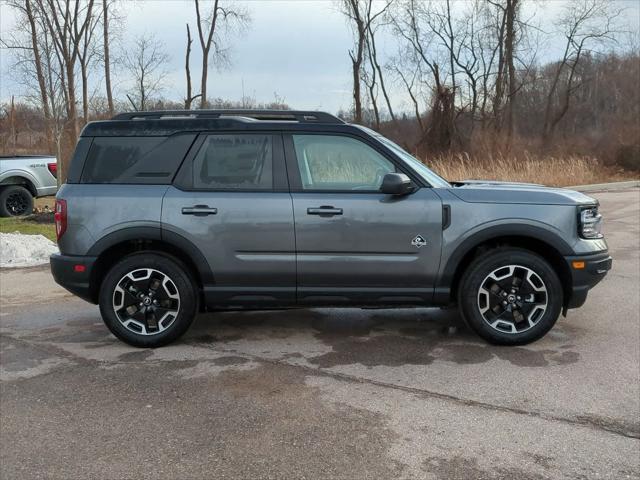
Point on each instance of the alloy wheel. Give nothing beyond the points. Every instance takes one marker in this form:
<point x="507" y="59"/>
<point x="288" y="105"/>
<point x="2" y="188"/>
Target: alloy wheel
<point x="512" y="299"/>
<point x="146" y="301"/>
<point x="16" y="203"/>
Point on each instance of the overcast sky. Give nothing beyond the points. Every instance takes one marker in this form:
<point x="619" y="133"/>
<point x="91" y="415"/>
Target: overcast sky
<point x="295" y="48"/>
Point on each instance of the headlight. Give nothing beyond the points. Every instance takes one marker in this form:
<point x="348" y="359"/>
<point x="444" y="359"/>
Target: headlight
<point x="590" y="223"/>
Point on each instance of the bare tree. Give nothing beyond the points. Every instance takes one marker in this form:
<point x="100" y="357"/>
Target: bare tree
<point x="359" y="12"/>
<point x="211" y="29"/>
<point x="86" y="52"/>
<point x="374" y="61"/>
<point x="68" y="23"/>
<point x="146" y="65"/>
<point x="412" y="24"/>
<point x="57" y="34"/>
<point x="409" y="85"/>
<point x="584" y="23"/>
<point x="107" y="55"/>
<point x="511" y="12"/>
<point x="33" y="52"/>
<point x="190" y="97"/>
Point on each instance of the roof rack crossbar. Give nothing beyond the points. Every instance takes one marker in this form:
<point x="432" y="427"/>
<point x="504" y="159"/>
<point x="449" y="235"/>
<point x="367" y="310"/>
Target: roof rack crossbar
<point x="279" y="115"/>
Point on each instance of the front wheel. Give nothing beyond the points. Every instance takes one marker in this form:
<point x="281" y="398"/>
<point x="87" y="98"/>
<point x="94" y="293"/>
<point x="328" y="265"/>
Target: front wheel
<point x="510" y="296"/>
<point x="148" y="300"/>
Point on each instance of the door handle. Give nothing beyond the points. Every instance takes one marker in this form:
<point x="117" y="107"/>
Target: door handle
<point x="324" y="210"/>
<point x="199" y="210"/>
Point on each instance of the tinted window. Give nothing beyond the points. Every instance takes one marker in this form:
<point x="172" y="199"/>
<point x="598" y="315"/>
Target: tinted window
<point x="236" y="161"/>
<point x="339" y="163"/>
<point x="151" y="160"/>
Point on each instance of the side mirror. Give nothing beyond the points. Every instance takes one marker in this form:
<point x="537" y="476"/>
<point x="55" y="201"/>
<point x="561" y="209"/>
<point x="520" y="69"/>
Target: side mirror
<point x="396" y="184"/>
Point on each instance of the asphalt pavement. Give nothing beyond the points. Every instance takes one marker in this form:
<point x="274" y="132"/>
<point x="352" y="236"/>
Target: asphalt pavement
<point x="324" y="393"/>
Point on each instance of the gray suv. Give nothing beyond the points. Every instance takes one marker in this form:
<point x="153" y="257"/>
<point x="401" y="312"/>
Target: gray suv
<point x="167" y="214"/>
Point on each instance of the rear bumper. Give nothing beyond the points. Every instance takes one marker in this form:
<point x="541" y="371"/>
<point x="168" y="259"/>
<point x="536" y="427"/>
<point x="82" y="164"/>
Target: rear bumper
<point x="46" y="191"/>
<point x="595" y="269"/>
<point x="68" y="272"/>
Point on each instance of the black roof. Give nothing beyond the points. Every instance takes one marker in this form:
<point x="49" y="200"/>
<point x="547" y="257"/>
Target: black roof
<point x="167" y="122"/>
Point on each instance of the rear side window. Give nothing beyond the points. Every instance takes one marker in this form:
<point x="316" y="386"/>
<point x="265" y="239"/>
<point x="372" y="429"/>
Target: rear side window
<point x="148" y="160"/>
<point x="234" y="162"/>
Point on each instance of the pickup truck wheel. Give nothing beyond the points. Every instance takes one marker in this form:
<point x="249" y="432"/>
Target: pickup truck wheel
<point x="15" y="201"/>
<point x="510" y="296"/>
<point x="148" y="300"/>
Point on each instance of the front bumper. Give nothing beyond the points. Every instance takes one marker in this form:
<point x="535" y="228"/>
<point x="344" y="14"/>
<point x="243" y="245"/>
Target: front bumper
<point x="74" y="273"/>
<point x="595" y="268"/>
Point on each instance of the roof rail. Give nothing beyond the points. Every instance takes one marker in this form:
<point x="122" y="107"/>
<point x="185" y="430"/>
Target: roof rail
<point x="279" y="115"/>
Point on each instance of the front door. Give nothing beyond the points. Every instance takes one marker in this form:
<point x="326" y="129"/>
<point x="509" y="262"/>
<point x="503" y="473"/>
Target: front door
<point x="231" y="201"/>
<point x="353" y="243"/>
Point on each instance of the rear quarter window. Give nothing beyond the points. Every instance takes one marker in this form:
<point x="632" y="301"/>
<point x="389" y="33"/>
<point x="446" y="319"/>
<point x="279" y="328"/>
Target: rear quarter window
<point x="145" y="160"/>
<point x="234" y="162"/>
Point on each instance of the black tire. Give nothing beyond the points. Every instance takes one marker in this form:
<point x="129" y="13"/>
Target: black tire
<point x="477" y="292"/>
<point x="180" y="283"/>
<point x="15" y="201"/>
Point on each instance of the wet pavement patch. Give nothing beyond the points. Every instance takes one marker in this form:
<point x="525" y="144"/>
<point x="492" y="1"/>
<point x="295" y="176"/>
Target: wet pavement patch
<point x="135" y="356"/>
<point x="340" y="326"/>
<point x="16" y="358"/>
<point x="422" y="345"/>
<point x="20" y="361"/>
<point x="208" y="339"/>
<point x="459" y="468"/>
<point x="231" y="360"/>
<point x="388" y="350"/>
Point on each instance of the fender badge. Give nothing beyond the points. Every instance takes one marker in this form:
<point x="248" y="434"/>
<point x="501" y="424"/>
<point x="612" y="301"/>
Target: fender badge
<point x="419" y="241"/>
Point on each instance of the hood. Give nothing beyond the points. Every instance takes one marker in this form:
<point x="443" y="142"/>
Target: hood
<point x="489" y="191"/>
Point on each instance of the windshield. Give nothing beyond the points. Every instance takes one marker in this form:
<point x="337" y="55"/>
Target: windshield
<point x="425" y="172"/>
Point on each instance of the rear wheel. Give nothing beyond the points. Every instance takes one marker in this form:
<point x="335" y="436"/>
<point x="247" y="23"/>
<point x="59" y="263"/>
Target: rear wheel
<point x="15" y="201"/>
<point x="148" y="300"/>
<point x="510" y="296"/>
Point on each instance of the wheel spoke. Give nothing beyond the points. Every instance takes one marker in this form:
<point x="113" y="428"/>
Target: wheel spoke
<point x="146" y="301"/>
<point x="512" y="298"/>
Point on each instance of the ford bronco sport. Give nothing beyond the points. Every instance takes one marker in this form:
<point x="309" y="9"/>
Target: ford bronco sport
<point x="165" y="214"/>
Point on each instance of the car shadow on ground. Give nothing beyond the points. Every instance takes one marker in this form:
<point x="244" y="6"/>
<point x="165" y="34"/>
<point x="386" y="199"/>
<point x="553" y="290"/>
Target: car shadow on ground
<point x="327" y="338"/>
<point x="371" y="337"/>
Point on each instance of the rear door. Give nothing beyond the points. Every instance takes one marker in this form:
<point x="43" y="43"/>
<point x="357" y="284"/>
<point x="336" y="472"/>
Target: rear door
<point x="231" y="201"/>
<point x="355" y="244"/>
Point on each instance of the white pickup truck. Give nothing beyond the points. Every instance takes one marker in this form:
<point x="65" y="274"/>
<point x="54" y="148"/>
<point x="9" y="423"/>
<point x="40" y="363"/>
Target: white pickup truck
<point x="23" y="178"/>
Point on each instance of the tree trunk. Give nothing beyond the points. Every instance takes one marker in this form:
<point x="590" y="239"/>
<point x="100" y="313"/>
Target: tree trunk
<point x="107" y="59"/>
<point x="205" y="44"/>
<point x="205" y="74"/>
<point x="85" y="92"/>
<point x="71" y="88"/>
<point x="512" y="6"/>
<point x="40" y="74"/>
<point x="356" y="64"/>
<point x="189" y="98"/>
<point x="376" y="64"/>
<point x="499" y="88"/>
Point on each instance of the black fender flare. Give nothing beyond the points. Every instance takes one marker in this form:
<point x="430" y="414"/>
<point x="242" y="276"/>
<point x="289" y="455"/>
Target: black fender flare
<point x="155" y="233"/>
<point x="494" y="232"/>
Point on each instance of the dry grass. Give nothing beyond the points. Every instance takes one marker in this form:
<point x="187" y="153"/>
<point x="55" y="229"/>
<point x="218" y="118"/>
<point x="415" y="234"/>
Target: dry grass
<point x="552" y="171"/>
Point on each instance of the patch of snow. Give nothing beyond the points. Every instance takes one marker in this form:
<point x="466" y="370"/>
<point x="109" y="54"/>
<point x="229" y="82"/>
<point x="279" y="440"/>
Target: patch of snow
<point x="18" y="250"/>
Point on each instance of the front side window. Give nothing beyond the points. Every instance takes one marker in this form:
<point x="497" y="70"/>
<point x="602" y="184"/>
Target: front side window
<point x="334" y="162"/>
<point x="234" y="162"/>
<point x="425" y="172"/>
